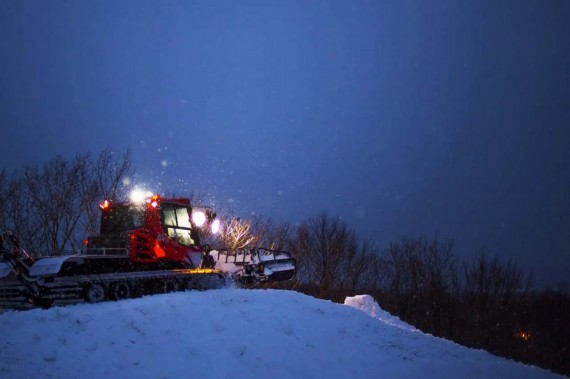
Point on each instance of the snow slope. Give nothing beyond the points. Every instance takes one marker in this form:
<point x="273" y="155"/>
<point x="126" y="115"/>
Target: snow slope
<point x="233" y="333"/>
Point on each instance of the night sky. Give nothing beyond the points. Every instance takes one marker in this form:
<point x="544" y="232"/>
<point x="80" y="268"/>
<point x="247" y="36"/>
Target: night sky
<point x="402" y="117"/>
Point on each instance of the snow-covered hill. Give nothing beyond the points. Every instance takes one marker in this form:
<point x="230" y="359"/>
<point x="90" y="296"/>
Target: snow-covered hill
<point x="234" y="334"/>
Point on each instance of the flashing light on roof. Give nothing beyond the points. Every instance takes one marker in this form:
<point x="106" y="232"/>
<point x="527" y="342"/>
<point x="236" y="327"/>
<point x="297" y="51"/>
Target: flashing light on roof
<point x="105" y="205"/>
<point x="215" y="226"/>
<point x="199" y="218"/>
<point x="153" y="201"/>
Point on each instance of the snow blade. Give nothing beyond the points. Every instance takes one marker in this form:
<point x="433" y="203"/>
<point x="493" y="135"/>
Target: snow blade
<point x="256" y="265"/>
<point x="48" y="266"/>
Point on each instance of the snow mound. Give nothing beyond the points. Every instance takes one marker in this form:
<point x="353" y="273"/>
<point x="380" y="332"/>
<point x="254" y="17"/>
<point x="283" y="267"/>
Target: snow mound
<point x="368" y="305"/>
<point x="234" y="334"/>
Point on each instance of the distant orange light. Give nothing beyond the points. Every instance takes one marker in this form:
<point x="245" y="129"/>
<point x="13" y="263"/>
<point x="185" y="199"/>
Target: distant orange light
<point x="524" y="335"/>
<point x="105" y="204"/>
<point x="86" y="241"/>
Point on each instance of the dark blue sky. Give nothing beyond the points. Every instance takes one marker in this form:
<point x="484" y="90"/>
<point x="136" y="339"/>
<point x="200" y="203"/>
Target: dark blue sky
<point x="403" y="117"/>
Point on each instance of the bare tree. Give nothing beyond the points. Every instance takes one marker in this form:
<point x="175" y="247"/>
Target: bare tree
<point x="54" y="193"/>
<point x="328" y="254"/>
<point x="53" y="207"/>
<point x="19" y="213"/>
<point x="421" y="266"/>
<point x="491" y="287"/>
<point x="271" y="235"/>
<point x="237" y="234"/>
<point x="110" y="171"/>
<point x="362" y="268"/>
<point x="423" y="281"/>
<point x="492" y="280"/>
<point x="104" y="178"/>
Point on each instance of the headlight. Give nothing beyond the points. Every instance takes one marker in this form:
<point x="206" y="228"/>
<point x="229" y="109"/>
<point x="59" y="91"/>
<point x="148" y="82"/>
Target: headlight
<point x="199" y="218"/>
<point x="139" y="196"/>
<point x="215" y="226"/>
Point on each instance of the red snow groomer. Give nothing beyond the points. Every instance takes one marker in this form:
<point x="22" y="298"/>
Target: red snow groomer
<point x="154" y="230"/>
<point x="148" y="244"/>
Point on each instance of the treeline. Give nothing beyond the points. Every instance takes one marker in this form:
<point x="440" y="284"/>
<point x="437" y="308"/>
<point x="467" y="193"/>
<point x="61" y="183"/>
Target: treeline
<point x="55" y="206"/>
<point x="483" y="303"/>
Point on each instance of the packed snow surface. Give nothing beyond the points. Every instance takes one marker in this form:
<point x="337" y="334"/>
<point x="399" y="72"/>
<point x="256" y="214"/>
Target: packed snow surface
<point x="234" y="333"/>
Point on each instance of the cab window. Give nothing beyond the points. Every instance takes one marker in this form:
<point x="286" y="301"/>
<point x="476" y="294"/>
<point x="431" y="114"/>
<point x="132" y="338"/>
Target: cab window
<point x="176" y="222"/>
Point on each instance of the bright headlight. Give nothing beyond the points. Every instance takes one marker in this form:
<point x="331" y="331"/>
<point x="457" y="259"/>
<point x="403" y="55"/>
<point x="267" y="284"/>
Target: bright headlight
<point x="215" y="226"/>
<point x="139" y="196"/>
<point x="199" y="218"/>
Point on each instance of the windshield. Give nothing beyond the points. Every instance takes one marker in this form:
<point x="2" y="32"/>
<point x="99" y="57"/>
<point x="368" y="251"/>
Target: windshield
<point x="176" y="222"/>
<point x="120" y="219"/>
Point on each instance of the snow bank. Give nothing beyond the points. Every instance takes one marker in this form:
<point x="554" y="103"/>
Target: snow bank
<point x="235" y="334"/>
<point x="368" y="305"/>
